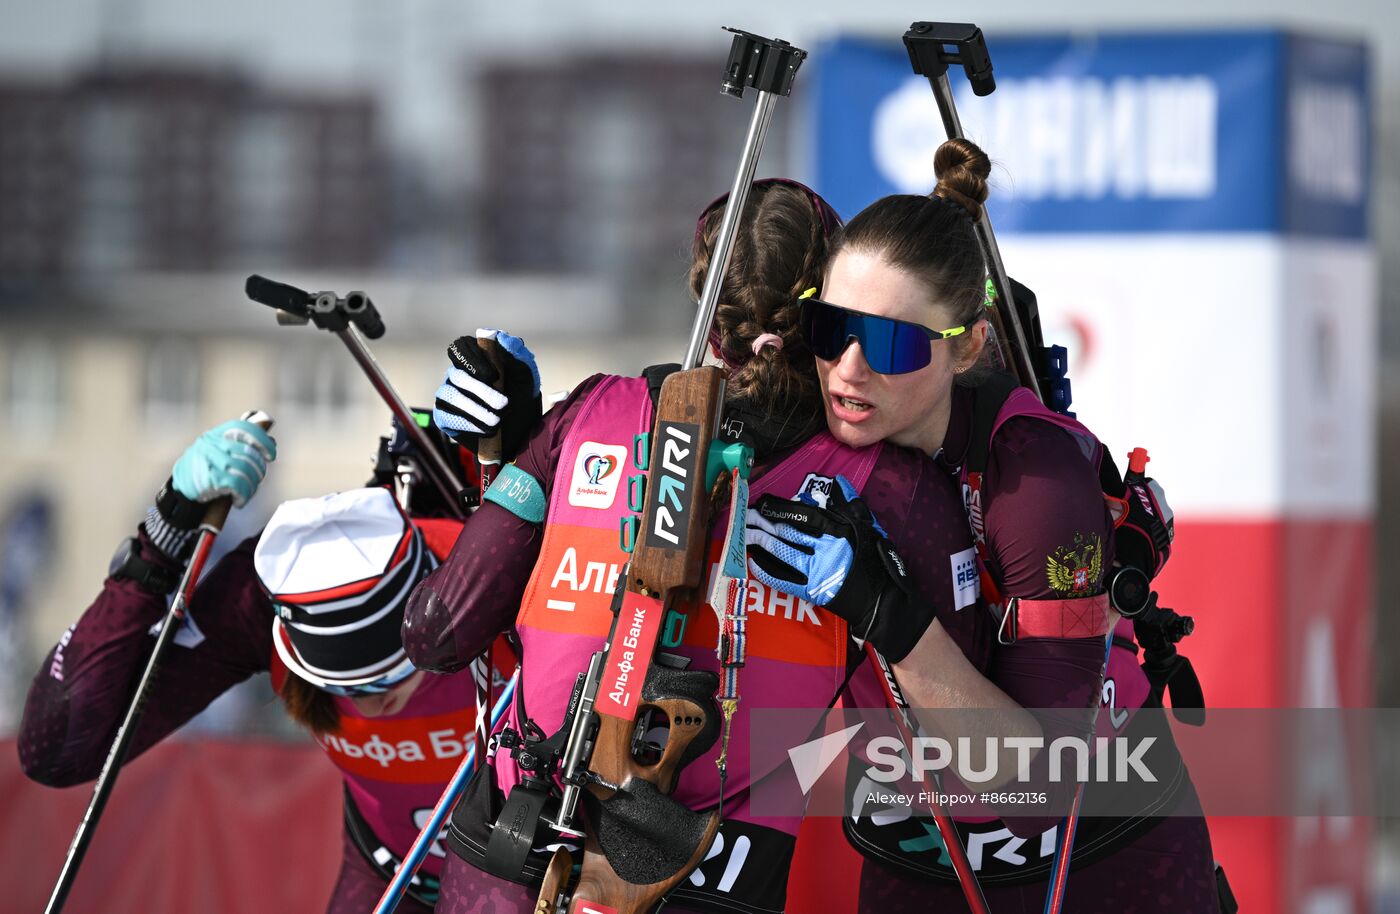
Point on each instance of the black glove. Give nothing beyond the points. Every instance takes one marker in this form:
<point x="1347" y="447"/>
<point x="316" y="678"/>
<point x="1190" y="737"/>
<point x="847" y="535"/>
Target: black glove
<point x="838" y="557"/>
<point x="472" y="403"/>
<point x="1143" y="538"/>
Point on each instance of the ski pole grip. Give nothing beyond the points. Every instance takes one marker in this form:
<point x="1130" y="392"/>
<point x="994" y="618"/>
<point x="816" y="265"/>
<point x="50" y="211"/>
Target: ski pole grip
<point x="217" y="512"/>
<point x="278" y="295"/>
<point x="488" y="451"/>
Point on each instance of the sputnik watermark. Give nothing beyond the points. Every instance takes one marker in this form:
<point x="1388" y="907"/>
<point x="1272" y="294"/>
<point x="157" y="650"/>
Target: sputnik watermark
<point x="938" y="797"/>
<point x="1299" y="762"/>
<point x="891" y="760"/>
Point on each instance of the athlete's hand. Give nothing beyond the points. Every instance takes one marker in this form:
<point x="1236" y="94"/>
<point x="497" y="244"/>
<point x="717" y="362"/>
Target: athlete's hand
<point x="469" y="407"/>
<point x="229" y="459"/>
<point x="1143" y="537"/>
<point x="838" y="557"/>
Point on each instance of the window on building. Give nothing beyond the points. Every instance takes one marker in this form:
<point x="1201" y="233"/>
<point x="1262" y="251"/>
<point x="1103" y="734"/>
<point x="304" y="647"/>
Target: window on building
<point x="110" y="214"/>
<point x="171" y="386"/>
<point x="33" y="385"/>
<point x="269" y="180"/>
<point x="317" y="386"/>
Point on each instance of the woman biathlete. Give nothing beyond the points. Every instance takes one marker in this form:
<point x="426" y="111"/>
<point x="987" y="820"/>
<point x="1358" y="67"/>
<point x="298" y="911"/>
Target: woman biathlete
<point x="542" y="555"/>
<point x="897" y="323"/>
<point x="317" y="599"/>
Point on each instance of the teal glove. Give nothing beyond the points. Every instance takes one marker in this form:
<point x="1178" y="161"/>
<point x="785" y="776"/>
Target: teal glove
<point x="229" y="459"/>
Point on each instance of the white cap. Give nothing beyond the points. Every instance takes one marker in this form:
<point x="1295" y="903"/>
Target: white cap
<point x="339" y="570"/>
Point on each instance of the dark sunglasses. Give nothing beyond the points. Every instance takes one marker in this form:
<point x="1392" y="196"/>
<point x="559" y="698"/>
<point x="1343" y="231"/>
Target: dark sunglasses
<point x="890" y="346"/>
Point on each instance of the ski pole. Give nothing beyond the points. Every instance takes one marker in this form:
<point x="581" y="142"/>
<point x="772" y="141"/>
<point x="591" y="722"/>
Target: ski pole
<point x="932" y="47"/>
<point x="947" y="830"/>
<point x="346" y="318"/>
<point x="209" y="527"/>
<point x="455" y="788"/>
<point x="1064" y="838"/>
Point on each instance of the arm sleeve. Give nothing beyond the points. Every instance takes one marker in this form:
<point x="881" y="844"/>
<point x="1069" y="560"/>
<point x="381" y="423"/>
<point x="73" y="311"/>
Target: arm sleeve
<point x="937" y="540"/>
<point x="1044" y="509"/>
<point x="474" y="595"/>
<point x="933" y="538"/>
<point x="81" y="692"/>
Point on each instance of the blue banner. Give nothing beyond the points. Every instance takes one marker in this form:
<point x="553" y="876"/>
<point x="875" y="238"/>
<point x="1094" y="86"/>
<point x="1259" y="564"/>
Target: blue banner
<point x="1257" y="131"/>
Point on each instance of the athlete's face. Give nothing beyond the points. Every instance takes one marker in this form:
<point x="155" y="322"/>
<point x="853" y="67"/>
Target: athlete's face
<point x="387" y="704"/>
<point x="862" y="406"/>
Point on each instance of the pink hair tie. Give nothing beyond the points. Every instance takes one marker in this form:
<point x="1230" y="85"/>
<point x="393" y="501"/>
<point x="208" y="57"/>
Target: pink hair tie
<point x="767" y="339"/>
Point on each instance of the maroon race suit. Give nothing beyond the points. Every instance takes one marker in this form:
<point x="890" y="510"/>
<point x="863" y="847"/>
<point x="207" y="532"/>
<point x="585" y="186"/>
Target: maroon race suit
<point x="477" y="590"/>
<point x="1043" y="510"/>
<point x="82" y="690"/>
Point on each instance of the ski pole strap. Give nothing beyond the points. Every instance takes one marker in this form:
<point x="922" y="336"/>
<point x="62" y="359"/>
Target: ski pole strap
<point x="519" y="493"/>
<point x="1080" y="617"/>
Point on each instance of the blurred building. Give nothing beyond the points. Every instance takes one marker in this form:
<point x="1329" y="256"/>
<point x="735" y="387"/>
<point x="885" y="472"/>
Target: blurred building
<point x="103" y="385"/>
<point x="601" y="161"/>
<point x="145" y="167"/>
<point x="137" y="198"/>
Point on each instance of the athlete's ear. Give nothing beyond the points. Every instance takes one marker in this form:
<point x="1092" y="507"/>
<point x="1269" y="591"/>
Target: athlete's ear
<point x="971" y="350"/>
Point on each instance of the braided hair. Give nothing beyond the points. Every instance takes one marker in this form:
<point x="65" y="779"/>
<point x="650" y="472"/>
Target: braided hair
<point x="780" y="252"/>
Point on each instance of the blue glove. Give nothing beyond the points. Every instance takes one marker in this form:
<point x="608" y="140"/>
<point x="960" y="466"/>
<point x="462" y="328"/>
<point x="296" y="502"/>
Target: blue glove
<point x="838" y="557"/>
<point x="229" y="459"/>
<point x="469" y="406"/>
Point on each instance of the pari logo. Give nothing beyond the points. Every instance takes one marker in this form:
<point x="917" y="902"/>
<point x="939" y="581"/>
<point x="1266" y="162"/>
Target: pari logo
<point x="596" y="475"/>
<point x="671" y="479"/>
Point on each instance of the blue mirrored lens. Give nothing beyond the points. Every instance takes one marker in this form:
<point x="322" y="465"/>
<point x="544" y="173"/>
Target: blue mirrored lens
<point x="889" y="346"/>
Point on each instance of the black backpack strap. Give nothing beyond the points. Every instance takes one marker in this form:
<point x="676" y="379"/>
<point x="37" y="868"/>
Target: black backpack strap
<point x="989" y="396"/>
<point x="655" y="375"/>
<point x="1110" y="480"/>
<point x="422" y="888"/>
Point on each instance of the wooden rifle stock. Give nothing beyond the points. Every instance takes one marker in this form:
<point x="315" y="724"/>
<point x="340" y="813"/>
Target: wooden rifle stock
<point x="666" y="566"/>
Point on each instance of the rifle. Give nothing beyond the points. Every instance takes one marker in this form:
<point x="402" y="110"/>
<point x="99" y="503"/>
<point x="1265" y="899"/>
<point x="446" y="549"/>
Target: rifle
<point x="1011" y="307"/>
<point x="1015" y="318"/>
<point x="348" y="318"/>
<point x="639" y="842"/>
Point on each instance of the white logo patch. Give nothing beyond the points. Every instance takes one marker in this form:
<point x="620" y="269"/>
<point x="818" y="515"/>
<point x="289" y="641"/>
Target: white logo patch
<point x="819" y="487"/>
<point x="967" y="586"/>
<point x="597" y="473"/>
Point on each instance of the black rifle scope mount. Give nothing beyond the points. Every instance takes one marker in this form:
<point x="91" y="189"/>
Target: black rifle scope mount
<point x="765" y="64"/>
<point x="934" y="45"/>
<point x="325" y="309"/>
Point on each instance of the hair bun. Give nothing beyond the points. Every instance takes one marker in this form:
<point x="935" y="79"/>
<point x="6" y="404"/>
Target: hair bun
<point x="962" y="169"/>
